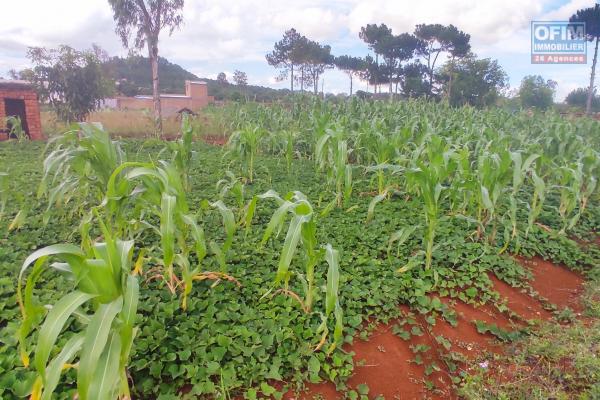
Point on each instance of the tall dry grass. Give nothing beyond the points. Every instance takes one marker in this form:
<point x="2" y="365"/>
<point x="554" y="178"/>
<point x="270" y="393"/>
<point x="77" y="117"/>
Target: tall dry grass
<point x="119" y="123"/>
<point x="211" y="123"/>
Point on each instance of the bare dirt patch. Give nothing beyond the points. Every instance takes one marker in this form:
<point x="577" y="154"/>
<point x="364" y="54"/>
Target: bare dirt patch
<point x="386" y="362"/>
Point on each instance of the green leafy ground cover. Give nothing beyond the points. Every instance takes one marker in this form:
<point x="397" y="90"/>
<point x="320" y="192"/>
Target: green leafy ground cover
<point x="229" y="340"/>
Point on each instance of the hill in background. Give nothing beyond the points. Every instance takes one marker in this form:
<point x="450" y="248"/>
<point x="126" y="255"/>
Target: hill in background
<point x="133" y="77"/>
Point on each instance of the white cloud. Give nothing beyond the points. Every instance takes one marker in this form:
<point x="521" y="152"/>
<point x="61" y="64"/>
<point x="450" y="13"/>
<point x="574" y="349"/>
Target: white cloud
<point x="223" y="36"/>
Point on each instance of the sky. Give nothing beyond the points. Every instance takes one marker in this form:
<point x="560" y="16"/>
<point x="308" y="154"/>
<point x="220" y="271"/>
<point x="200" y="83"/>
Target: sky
<point x="224" y="36"/>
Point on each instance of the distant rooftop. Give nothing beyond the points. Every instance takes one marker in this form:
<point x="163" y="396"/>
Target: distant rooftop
<point x="197" y="82"/>
<point x="15" y="84"/>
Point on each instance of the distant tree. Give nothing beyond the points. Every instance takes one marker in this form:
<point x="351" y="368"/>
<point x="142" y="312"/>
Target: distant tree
<point x="477" y="82"/>
<point x="591" y="18"/>
<point x="222" y="78"/>
<point x="352" y="66"/>
<point x="437" y="39"/>
<point x="374" y="35"/>
<point x="578" y="98"/>
<point x="537" y="92"/>
<point x="24" y="75"/>
<point x="240" y="78"/>
<point x="71" y="81"/>
<point x="373" y="73"/>
<point x="318" y="59"/>
<point x="414" y="82"/>
<point x="144" y="20"/>
<point x="396" y="49"/>
<point x="286" y="55"/>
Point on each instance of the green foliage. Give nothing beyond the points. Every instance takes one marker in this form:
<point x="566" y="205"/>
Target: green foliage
<point x="231" y="341"/>
<point x="244" y="144"/>
<point x="71" y="81"/>
<point x="472" y="81"/>
<point x="102" y="275"/>
<point x="16" y="128"/>
<point x="78" y="166"/>
<point x="534" y="92"/>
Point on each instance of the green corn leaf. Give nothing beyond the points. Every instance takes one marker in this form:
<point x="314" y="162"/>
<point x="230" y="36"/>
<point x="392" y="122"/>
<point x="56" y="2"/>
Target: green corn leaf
<point x="250" y="210"/>
<point x="54" y="249"/>
<point x="197" y="234"/>
<point x="333" y="278"/>
<point x="276" y="221"/>
<point x="128" y="314"/>
<point x="400" y="236"/>
<point x="376" y="200"/>
<point x="228" y="223"/>
<point x="289" y="247"/>
<point x="105" y="382"/>
<point x="167" y="227"/>
<point x="485" y="196"/>
<point x="94" y="345"/>
<point x="55" y="367"/>
<point x="53" y="325"/>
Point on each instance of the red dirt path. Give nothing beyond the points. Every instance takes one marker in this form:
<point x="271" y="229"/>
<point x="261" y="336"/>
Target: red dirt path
<point x="386" y="362"/>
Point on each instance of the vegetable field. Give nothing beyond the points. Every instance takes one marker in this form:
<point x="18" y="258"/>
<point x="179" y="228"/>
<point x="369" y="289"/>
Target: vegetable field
<point x="154" y="269"/>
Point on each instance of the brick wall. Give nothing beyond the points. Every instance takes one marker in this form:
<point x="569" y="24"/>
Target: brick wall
<point x="195" y="98"/>
<point x="32" y="110"/>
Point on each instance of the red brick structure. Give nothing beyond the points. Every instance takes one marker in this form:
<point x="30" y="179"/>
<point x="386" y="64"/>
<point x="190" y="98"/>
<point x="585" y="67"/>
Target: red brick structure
<point x="195" y="97"/>
<point x="18" y="98"/>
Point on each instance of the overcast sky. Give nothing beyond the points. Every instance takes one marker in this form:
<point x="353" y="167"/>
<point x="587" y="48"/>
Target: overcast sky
<point x="236" y="34"/>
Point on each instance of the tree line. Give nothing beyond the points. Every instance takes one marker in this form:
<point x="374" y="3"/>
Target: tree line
<point x="408" y="65"/>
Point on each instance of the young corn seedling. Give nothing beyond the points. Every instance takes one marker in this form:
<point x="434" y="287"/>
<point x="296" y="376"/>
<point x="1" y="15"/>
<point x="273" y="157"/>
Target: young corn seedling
<point x="231" y="185"/>
<point x="301" y="234"/>
<point x="161" y="194"/>
<point x="332" y="156"/>
<point x="427" y="180"/>
<point x="244" y="145"/>
<point x="16" y="128"/>
<point x="520" y="170"/>
<point x="538" y="199"/>
<point x="104" y="303"/>
<point x="493" y="175"/>
<point x="79" y="165"/>
<point x="380" y="152"/>
<point x="182" y="149"/>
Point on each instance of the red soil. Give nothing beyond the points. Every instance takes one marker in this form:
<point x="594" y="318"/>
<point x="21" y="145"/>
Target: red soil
<point x="559" y="285"/>
<point x="386" y="362"/>
<point x="519" y="301"/>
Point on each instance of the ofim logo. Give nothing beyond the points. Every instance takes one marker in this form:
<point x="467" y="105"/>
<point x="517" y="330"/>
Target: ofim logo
<point x="558" y="42"/>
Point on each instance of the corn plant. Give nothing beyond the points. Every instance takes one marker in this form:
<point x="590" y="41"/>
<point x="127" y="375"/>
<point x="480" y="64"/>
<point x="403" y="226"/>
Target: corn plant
<point x="79" y="165"/>
<point x="520" y="169"/>
<point x="244" y="145"/>
<point x="231" y="184"/>
<point x="301" y="234"/>
<point x="182" y="149"/>
<point x="427" y="180"/>
<point x="537" y="200"/>
<point x="575" y="188"/>
<point x="332" y="157"/>
<point x="161" y="193"/>
<point x="104" y="303"/>
<point x="16" y="128"/>
<point x="380" y="153"/>
<point x="492" y="177"/>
